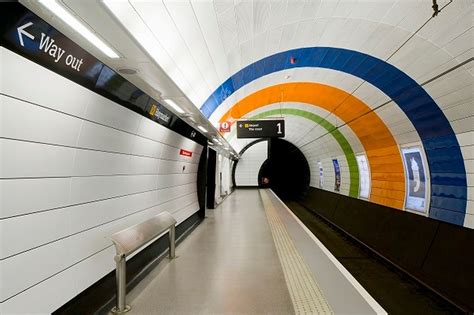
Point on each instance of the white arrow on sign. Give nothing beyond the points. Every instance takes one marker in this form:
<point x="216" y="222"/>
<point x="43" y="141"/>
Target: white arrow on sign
<point x="21" y="32"/>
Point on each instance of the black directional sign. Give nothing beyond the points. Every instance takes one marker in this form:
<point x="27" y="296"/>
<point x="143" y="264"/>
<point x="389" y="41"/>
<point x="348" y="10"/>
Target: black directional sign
<point x="267" y="128"/>
<point x="26" y="34"/>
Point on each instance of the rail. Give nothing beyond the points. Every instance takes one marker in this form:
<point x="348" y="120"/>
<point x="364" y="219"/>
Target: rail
<point x="129" y="240"/>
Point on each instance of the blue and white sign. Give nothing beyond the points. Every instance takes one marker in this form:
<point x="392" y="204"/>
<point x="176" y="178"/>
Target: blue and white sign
<point x="337" y="172"/>
<point x="416" y="179"/>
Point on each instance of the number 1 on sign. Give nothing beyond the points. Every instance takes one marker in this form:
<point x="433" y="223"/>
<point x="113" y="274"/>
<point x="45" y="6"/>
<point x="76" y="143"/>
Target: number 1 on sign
<point x="279" y="129"/>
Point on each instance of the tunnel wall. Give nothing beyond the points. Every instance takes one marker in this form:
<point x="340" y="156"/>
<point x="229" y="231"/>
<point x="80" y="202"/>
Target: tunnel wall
<point x="76" y="167"/>
<point x="340" y="130"/>
<point x="385" y="81"/>
<point x="246" y="171"/>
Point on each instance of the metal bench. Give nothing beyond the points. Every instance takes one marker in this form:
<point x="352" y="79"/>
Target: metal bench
<point x="129" y="240"/>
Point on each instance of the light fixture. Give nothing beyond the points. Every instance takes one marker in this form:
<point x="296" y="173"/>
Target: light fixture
<point x="128" y="71"/>
<point x="202" y="128"/>
<point x="68" y="18"/>
<point x="173" y="105"/>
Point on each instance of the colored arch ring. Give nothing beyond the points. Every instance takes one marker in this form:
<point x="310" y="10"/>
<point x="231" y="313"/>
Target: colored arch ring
<point x="388" y="180"/>
<point x="333" y="131"/>
<point x="448" y="173"/>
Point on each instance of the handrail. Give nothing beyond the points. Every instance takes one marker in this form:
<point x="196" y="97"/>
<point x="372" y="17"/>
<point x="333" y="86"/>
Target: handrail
<point x="129" y="240"/>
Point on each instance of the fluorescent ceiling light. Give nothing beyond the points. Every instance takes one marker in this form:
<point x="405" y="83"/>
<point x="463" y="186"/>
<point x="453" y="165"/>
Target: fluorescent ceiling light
<point x="202" y="128"/>
<point x="174" y="106"/>
<point x="68" y="18"/>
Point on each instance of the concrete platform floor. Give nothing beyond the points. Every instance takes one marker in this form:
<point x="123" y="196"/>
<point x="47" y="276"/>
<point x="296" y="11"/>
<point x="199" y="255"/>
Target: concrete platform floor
<point x="232" y="264"/>
<point x="228" y="265"/>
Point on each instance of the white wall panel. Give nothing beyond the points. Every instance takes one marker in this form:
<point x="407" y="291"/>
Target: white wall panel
<point x="49" y="226"/>
<point x="106" y="112"/>
<point x="90" y="162"/>
<point x="246" y="172"/>
<point x="29" y="159"/>
<point x="20" y="196"/>
<point x="37" y="124"/>
<point x="76" y="168"/>
<point x="41" y="86"/>
<point x="18" y="273"/>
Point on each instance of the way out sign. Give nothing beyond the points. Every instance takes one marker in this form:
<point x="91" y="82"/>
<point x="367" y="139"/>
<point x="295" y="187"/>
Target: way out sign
<point x="27" y="34"/>
<point x="50" y="47"/>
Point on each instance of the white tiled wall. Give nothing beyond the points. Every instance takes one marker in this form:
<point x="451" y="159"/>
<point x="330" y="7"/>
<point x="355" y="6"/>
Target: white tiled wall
<point x="75" y="168"/>
<point x="246" y="172"/>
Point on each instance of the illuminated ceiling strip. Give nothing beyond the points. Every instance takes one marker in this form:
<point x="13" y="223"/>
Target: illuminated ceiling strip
<point x="58" y="10"/>
<point x="445" y="160"/>
<point x="388" y="179"/>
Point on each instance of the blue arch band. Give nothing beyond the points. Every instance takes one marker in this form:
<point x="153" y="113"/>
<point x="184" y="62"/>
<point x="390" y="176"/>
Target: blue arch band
<point x="448" y="174"/>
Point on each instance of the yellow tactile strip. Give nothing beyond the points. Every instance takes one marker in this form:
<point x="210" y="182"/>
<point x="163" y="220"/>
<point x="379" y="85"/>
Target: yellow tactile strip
<point x="304" y="291"/>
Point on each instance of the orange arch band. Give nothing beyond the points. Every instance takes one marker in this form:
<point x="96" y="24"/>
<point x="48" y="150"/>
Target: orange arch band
<point x="386" y="166"/>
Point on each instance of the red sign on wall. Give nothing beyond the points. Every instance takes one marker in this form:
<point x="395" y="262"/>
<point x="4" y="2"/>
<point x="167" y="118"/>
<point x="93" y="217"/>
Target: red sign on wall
<point x="185" y="153"/>
<point x="224" y="126"/>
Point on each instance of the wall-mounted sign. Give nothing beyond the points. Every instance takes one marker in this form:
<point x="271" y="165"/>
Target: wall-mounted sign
<point x="153" y="109"/>
<point x="416" y="179"/>
<point x="164" y="117"/>
<point x="26" y="34"/>
<point x="321" y="175"/>
<point x="159" y="113"/>
<point x="261" y="128"/>
<point x="185" y="153"/>
<point x="224" y="126"/>
<point x="364" y="176"/>
<point x="337" y="172"/>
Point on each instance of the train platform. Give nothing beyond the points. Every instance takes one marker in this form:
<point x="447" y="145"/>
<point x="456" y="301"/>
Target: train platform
<point x="251" y="255"/>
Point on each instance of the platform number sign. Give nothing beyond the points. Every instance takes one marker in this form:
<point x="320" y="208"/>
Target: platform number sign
<point x="266" y="128"/>
<point x="279" y="132"/>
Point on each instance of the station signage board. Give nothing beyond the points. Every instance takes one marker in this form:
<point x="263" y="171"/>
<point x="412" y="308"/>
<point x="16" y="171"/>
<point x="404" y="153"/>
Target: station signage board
<point x="26" y="34"/>
<point x="266" y="128"/>
<point x="185" y="153"/>
<point x="224" y="126"/>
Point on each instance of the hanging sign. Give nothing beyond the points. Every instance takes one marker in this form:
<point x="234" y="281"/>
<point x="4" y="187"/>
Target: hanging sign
<point x="261" y="128"/>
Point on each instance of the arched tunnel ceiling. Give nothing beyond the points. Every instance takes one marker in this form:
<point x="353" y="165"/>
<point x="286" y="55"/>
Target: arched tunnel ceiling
<point x="382" y="75"/>
<point x="202" y="43"/>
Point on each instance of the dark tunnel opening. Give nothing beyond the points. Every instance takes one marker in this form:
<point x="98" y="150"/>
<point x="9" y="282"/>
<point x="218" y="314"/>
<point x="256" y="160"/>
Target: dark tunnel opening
<point x="286" y="171"/>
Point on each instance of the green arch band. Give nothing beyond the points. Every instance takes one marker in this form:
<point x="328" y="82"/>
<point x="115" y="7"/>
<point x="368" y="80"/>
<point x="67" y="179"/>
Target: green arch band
<point x="338" y="136"/>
